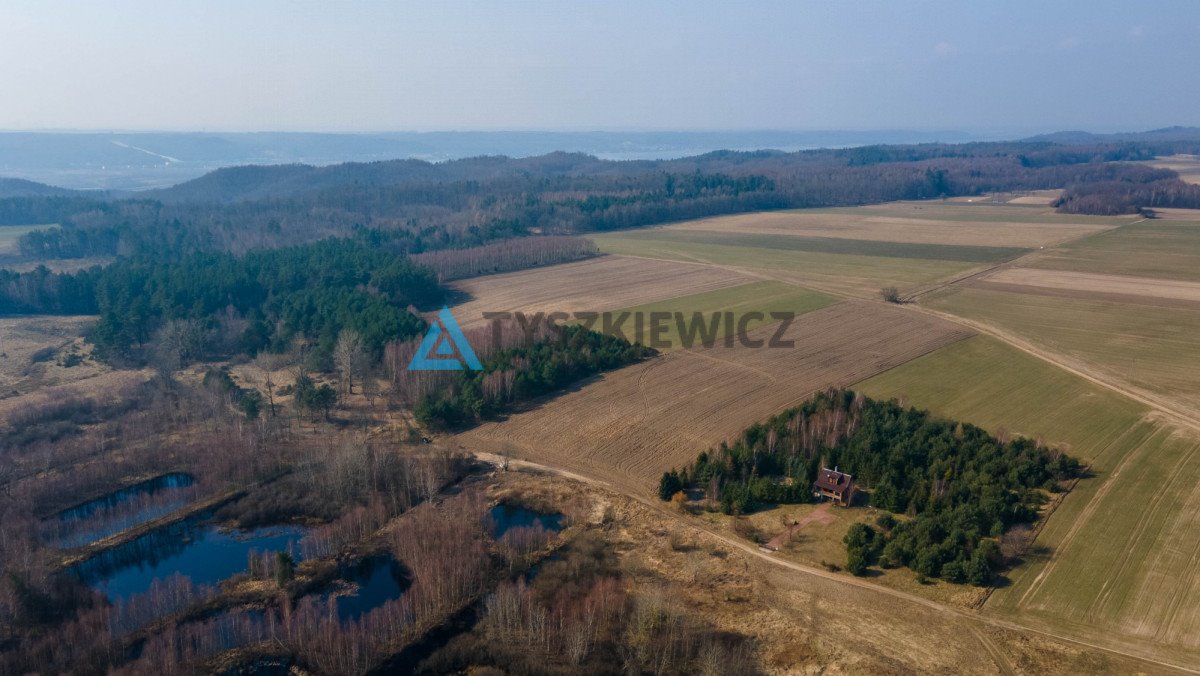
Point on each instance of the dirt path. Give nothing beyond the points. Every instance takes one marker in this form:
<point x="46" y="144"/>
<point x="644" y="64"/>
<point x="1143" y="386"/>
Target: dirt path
<point x="820" y="514"/>
<point x="974" y="618"/>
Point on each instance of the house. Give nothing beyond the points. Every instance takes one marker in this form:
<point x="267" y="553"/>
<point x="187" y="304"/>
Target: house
<point x="834" y="485"/>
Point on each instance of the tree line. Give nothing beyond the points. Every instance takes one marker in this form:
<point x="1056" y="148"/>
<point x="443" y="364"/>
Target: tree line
<point x="955" y="487"/>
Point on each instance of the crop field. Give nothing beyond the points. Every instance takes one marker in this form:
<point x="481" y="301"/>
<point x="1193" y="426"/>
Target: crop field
<point x="1187" y="166"/>
<point x="630" y="425"/>
<point x="1162" y="249"/>
<point x="983" y="381"/>
<point x="1103" y="560"/>
<point x="1091" y="286"/>
<point x="9" y="234"/>
<point x="605" y="283"/>
<point x="941" y="224"/>
<point x="1151" y="348"/>
<point x="763" y="297"/>
<point x="855" y="275"/>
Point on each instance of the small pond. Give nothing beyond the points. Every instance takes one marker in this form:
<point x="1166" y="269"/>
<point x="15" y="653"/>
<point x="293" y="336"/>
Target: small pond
<point x="377" y="580"/>
<point x="507" y="517"/>
<point x="195" y="548"/>
<point x="128" y="507"/>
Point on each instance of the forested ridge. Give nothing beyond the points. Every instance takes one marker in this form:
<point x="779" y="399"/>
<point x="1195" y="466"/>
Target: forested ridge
<point x="956" y="487"/>
<point x="272" y="252"/>
<point x="481" y="200"/>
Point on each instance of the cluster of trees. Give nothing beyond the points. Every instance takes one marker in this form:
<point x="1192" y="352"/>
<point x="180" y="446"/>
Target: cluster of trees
<point x="506" y="255"/>
<point x="523" y="372"/>
<point x="1129" y="196"/>
<point x="957" y="484"/>
<point x="220" y="303"/>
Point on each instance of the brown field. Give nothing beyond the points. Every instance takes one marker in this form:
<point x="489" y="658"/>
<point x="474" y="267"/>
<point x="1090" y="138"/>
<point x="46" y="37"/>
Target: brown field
<point x="631" y="425"/>
<point x="957" y="225"/>
<point x="1187" y="166"/>
<point x="605" y="283"/>
<point x="1097" y="286"/>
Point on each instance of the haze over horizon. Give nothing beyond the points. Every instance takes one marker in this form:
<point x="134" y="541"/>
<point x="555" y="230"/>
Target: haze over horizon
<point x="283" y="66"/>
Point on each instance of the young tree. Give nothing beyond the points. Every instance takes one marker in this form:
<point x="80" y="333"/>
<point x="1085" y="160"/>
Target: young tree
<point x="348" y="357"/>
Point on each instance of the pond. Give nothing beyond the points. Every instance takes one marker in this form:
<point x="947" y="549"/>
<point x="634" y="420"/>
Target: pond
<point x="506" y="517"/>
<point x="194" y="548"/>
<point x="377" y="580"/>
<point x="166" y="482"/>
<point x="128" y="507"/>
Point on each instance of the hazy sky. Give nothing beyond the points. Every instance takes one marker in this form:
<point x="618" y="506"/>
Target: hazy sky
<point x="269" y="65"/>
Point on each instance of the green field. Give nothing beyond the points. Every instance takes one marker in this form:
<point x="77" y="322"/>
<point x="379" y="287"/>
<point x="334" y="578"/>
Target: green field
<point x="1120" y="553"/>
<point x="1164" y="249"/>
<point x="831" y="245"/>
<point x="983" y="381"/>
<point x="9" y="234"/>
<point x="764" y="297"/>
<point x="842" y="273"/>
<point x="1154" y="348"/>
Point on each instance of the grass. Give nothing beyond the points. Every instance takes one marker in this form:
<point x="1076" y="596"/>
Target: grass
<point x="1153" y="348"/>
<point x="765" y="297"/>
<point x="983" y="381"/>
<point x="1168" y="250"/>
<point x="1119" y="553"/>
<point x="853" y="274"/>
<point x="9" y="234"/>
<point x="833" y="245"/>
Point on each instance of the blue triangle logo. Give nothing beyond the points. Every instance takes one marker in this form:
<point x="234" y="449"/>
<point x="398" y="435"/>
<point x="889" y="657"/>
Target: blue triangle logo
<point x="444" y="348"/>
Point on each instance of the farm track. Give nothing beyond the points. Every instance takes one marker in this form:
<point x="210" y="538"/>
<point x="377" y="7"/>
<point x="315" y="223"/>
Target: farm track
<point x="974" y="618"/>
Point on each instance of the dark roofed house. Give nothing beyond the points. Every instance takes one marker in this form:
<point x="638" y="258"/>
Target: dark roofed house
<point x="834" y="485"/>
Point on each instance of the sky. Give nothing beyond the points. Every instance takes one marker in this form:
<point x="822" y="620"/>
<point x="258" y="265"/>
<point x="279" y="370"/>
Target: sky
<point x="270" y="65"/>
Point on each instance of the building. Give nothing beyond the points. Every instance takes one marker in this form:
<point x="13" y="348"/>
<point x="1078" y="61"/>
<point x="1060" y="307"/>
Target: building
<point x="834" y="485"/>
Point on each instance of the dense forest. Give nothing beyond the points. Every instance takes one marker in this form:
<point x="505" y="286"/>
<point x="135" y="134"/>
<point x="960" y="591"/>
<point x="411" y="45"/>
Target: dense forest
<point x="524" y="370"/>
<point x="956" y="487"/>
<point x="212" y="303"/>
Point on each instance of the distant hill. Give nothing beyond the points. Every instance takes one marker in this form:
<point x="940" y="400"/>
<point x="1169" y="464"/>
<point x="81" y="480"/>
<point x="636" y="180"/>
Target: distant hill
<point x="18" y="187"/>
<point x="1166" y="135"/>
<point x="149" y="160"/>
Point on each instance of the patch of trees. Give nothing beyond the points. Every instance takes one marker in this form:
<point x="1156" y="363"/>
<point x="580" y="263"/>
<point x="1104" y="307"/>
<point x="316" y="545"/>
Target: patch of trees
<point x="1111" y="198"/>
<point x="214" y="303"/>
<point x="505" y="256"/>
<point x="521" y="368"/>
<point x="958" y="486"/>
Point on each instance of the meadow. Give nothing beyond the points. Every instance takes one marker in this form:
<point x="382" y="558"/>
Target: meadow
<point x="9" y="234"/>
<point x="1118" y="554"/>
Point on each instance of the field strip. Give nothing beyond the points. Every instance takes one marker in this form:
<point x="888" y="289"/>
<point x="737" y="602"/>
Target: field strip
<point x="597" y="284"/>
<point x="754" y="550"/>
<point x="1098" y="283"/>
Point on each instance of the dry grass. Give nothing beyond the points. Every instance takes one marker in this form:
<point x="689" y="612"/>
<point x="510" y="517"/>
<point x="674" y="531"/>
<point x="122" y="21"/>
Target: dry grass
<point x="605" y="283"/>
<point x="632" y="424"/>
<point x="802" y="623"/>
<point x="33" y="362"/>
<point x="1187" y="166"/>
<point x="1085" y="284"/>
<point x="904" y="223"/>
